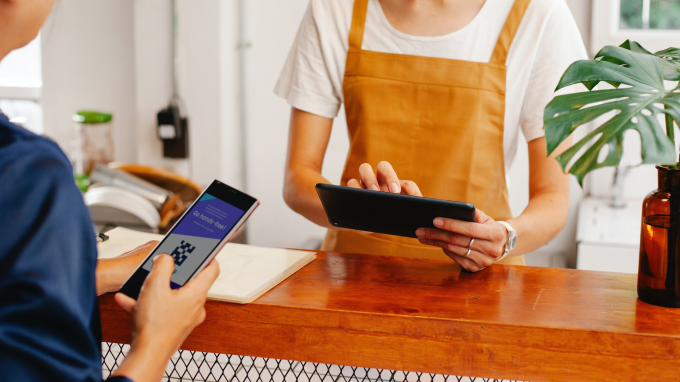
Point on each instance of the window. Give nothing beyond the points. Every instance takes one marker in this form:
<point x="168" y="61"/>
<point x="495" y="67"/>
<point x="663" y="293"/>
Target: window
<point x="21" y="85"/>
<point x="655" y="24"/>
<point x="650" y="14"/>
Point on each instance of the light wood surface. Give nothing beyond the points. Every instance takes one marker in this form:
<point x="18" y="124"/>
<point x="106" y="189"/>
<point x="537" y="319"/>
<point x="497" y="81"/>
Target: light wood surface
<point x="511" y="322"/>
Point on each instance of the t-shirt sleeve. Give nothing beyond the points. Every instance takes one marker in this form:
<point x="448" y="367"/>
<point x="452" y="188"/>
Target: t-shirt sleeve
<point x="560" y="46"/>
<point x="48" y="312"/>
<point x="305" y="81"/>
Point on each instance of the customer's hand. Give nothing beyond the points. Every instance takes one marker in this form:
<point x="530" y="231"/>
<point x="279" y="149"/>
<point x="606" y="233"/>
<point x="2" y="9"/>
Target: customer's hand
<point x="163" y="318"/>
<point x="112" y="273"/>
<point x="385" y="180"/>
<point x="454" y="237"/>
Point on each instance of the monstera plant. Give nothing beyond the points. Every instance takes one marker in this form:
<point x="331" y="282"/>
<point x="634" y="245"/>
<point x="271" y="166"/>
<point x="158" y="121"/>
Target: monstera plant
<point x="639" y="95"/>
<point x="646" y="99"/>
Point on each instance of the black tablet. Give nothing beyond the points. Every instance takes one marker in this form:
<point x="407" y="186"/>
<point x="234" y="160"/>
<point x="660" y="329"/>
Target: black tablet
<point x="387" y="213"/>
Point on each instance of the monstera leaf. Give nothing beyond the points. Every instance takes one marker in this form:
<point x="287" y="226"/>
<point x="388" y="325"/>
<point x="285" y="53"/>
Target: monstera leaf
<point x="638" y="98"/>
<point x="670" y="56"/>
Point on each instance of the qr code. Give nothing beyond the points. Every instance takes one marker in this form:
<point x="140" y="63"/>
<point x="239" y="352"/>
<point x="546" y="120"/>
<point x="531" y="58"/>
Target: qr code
<point x="180" y="253"/>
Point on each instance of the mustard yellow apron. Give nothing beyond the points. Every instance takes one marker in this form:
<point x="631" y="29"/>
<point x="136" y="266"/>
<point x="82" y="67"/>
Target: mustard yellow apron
<point x="438" y="121"/>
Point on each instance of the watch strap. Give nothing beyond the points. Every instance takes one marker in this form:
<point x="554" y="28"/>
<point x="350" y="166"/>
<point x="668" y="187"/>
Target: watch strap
<point x="510" y="231"/>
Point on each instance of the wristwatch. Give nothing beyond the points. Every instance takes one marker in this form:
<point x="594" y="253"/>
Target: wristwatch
<point x="511" y="242"/>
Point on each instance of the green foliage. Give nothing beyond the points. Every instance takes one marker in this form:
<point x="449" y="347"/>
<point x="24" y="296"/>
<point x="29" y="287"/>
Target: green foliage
<point x="82" y="181"/>
<point x="670" y="56"/>
<point x="637" y="105"/>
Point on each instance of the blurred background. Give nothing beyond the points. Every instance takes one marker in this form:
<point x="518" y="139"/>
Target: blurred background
<point x="223" y="57"/>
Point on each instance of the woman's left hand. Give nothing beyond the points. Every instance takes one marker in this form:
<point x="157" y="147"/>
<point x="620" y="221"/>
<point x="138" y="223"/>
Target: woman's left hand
<point x="485" y="239"/>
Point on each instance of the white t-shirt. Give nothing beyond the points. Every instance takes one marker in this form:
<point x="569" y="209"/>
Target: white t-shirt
<point x="546" y="43"/>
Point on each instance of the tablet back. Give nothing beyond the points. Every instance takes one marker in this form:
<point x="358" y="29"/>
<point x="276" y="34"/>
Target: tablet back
<point x="382" y="212"/>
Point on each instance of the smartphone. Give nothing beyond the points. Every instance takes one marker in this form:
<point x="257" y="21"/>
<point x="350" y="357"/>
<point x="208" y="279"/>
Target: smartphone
<point x="198" y="235"/>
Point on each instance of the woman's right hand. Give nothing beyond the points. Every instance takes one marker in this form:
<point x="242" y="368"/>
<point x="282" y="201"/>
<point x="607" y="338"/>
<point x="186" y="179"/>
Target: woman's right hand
<point x="385" y="179"/>
<point x="163" y="318"/>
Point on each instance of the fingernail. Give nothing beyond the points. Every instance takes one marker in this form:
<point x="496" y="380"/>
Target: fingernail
<point x="155" y="257"/>
<point x="438" y="222"/>
<point x="394" y="188"/>
<point x="374" y="187"/>
<point x="420" y="232"/>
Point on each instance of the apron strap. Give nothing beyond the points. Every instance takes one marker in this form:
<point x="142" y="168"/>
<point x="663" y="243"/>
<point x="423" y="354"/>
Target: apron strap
<point x="500" y="52"/>
<point x="356" y="32"/>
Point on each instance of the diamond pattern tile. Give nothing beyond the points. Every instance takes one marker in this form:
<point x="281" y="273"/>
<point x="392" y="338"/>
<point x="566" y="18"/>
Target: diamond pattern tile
<point x="210" y="367"/>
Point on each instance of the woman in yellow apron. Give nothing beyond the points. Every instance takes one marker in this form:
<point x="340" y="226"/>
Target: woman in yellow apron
<point x="438" y="122"/>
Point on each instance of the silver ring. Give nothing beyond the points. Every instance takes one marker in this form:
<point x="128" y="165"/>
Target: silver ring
<point x="468" y="253"/>
<point x="472" y="240"/>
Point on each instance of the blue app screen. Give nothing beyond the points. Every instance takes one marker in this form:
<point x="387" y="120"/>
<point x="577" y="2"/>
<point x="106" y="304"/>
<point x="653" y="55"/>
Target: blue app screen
<point x="196" y="236"/>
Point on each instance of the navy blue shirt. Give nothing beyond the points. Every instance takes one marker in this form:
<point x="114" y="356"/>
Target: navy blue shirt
<point x="49" y="314"/>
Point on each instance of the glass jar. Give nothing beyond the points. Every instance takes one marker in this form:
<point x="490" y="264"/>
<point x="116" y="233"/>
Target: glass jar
<point x="659" y="270"/>
<point x="94" y="140"/>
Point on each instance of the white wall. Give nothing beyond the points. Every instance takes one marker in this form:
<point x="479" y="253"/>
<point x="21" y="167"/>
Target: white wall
<point x="207" y="82"/>
<point x="88" y="63"/>
<point x="271" y="28"/>
<point x="582" y="12"/>
<point x="153" y="79"/>
<point x="231" y="140"/>
<point x="200" y="85"/>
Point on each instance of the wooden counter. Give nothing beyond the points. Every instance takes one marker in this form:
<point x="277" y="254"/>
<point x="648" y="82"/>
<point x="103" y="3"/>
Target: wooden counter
<point x="511" y="322"/>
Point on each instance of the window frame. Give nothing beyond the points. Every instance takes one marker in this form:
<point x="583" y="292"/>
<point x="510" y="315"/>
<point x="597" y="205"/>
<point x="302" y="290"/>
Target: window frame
<point x="21" y="93"/>
<point x="30" y="93"/>
<point x="606" y="31"/>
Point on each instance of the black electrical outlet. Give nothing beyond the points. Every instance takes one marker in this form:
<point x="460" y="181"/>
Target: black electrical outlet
<point x="173" y="130"/>
<point x="178" y="148"/>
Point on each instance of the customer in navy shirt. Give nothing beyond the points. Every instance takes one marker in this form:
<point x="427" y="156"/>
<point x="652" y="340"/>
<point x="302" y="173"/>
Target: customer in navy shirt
<point x="49" y="316"/>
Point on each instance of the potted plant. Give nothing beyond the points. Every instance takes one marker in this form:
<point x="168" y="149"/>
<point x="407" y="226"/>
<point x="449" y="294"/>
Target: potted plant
<point x="640" y="99"/>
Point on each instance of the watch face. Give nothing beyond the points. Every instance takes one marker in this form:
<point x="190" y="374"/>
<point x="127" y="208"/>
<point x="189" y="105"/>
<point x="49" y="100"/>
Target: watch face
<point x="512" y="241"/>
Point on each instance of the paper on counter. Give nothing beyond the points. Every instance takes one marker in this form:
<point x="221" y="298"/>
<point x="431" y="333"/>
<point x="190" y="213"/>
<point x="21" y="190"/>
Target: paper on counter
<point x="246" y="272"/>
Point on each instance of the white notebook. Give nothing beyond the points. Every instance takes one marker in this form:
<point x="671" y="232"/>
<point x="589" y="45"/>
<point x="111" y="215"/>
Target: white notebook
<point x="246" y="272"/>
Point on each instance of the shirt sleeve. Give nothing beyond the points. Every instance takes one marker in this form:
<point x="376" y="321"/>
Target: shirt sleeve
<point x="305" y="81"/>
<point x="560" y="46"/>
<point x="49" y="319"/>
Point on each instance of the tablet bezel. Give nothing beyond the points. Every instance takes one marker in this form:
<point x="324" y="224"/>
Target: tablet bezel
<point x="387" y="213"/>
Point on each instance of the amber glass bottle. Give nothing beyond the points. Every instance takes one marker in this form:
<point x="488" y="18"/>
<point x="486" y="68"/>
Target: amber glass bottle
<point x="659" y="271"/>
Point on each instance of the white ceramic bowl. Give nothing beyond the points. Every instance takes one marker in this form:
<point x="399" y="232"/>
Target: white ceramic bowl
<point x="123" y="208"/>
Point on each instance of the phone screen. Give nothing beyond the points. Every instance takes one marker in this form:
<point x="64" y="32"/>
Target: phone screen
<point x="195" y="237"/>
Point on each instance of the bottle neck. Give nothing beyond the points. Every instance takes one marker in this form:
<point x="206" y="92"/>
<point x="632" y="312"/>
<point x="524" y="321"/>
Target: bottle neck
<point x="669" y="180"/>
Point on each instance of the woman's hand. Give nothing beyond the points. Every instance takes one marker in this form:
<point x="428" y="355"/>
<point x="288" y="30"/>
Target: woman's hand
<point x="163" y="318"/>
<point x="112" y="273"/>
<point x="455" y="237"/>
<point x="385" y="180"/>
